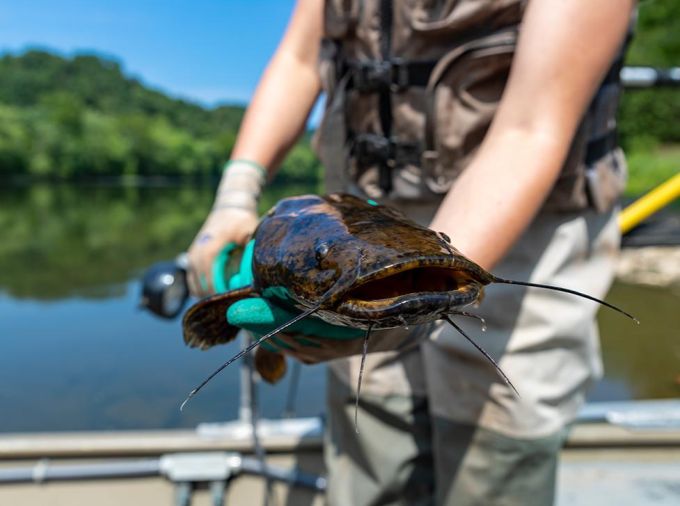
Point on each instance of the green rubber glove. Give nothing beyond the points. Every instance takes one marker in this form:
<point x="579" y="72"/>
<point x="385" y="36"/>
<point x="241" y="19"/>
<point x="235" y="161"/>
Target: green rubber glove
<point x="260" y="315"/>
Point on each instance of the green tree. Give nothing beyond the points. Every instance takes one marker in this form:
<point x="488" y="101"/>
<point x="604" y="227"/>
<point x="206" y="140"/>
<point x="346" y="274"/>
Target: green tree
<point x="651" y="116"/>
<point x="81" y="117"/>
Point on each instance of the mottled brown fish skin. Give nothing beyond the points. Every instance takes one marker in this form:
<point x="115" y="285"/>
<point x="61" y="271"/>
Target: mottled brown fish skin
<point x="321" y="249"/>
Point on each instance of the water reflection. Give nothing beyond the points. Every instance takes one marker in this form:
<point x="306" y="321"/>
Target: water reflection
<point x="88" y="241"/>
<point x="63" y="241"/>
<point x="77" y="354"/>
<point x="641" y="361"/>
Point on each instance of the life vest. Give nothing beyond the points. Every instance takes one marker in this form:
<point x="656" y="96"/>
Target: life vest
<point x="411" y="89"/>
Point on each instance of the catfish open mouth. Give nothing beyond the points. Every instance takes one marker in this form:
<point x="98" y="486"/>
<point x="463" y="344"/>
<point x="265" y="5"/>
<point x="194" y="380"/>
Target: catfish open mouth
<point x="409" y="292"/>
<point x="410" y="281"/>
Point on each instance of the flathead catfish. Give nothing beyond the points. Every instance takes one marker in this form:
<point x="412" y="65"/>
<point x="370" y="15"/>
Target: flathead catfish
<point x="349" y="262"/>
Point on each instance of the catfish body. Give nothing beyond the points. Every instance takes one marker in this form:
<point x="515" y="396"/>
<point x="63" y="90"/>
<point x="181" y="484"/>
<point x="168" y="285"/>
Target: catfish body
<point x="349" y="262"/>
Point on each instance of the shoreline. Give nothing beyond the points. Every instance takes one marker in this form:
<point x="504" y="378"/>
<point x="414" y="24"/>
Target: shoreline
<point x="657" y="266"/>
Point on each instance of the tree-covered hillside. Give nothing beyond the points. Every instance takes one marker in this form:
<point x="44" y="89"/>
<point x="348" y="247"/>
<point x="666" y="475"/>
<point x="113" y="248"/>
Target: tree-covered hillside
<point x="73" y="117"/>
<point x="82" y="116"/>
<point x="652" y="115"/>
<point x="36" y="77"/>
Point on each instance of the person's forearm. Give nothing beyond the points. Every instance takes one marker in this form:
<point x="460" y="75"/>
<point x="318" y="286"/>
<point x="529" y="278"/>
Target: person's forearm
<point x="554" y="75"/>
<point x="286" y="93"/>
<point x="497" y="197"/>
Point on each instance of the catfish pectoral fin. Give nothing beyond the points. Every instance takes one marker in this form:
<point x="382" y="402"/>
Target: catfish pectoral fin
<point x="205" y="323"/>
<point x="271" y="365"/>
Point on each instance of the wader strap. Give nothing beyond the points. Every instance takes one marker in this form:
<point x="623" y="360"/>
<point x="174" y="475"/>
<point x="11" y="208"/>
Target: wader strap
<point x="597" y="148"/>
<point x="385" y="97"/>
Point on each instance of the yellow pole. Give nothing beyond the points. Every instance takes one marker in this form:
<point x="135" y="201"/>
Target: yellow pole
<point x="650" y="203"/>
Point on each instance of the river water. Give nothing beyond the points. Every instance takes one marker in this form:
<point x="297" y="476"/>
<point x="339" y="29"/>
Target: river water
<point x="77" y="354"/>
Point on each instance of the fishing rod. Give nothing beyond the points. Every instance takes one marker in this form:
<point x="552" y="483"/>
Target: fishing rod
<point x="640" y="77"/>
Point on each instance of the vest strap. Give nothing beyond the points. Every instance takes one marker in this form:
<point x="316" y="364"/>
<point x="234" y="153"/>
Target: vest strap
<point x="373" y="149"/>
<point x="396" y="74"/>
<point x="597" y="148"/>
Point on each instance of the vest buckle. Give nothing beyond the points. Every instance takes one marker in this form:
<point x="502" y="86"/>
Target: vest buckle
<point x="400" y="77"/>
<point x="371" y="149"/>
<point x="372" y="76"/>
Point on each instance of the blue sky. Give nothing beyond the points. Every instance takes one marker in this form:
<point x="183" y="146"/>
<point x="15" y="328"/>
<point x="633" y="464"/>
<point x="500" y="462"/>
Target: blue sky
<point x="206" y="50"/>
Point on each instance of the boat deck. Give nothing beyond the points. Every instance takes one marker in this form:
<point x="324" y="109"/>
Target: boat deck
<point x="601" y="464"/>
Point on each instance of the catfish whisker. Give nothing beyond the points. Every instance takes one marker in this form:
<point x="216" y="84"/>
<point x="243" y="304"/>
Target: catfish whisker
<point x="566" y="290"/>
<point x="483" y="352"/>
<point x="482" y="321"/>
<point x="361" y="374"/>
<point x="248" y="349"/>
<point x="403" y="321"/>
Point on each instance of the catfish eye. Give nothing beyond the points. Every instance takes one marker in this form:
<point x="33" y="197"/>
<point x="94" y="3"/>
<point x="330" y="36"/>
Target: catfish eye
<point x="321" y="251"/>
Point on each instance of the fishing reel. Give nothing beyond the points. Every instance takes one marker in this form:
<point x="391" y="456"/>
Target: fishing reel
<point x="164" y="287"/>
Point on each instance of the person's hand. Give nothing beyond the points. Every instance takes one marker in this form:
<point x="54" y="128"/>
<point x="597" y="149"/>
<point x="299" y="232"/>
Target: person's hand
<point x="232" y="220"/>
<point x="222" y="227"/>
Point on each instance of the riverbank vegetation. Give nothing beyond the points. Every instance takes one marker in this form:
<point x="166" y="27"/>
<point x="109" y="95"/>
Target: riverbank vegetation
<point x="82" y="117"/>
<point x="648" y="119"/>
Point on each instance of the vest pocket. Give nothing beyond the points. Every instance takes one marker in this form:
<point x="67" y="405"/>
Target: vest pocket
<point x="453" y="17"/>
<point x="463" y="95"/>
<point x="340" y="17"/>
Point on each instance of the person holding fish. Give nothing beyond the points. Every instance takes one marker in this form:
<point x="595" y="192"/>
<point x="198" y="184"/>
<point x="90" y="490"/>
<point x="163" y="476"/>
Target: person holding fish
<point x="493" y="123"/>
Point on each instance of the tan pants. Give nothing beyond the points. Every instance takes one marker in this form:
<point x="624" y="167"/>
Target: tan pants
<point x="438" y="426"/>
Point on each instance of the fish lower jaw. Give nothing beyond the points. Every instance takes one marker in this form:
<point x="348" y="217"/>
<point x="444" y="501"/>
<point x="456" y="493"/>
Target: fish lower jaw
<point x="409" y="309"/>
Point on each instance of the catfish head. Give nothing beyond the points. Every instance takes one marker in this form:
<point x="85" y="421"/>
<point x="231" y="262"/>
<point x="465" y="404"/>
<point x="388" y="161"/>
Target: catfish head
<point x="361" y="264"/>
